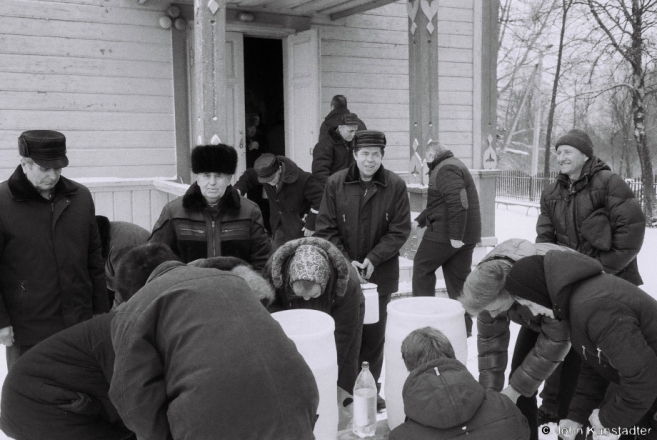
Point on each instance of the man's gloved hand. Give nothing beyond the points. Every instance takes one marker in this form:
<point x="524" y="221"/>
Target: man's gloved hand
<point x="7" y="336"/>
<point x="568" y="429"/>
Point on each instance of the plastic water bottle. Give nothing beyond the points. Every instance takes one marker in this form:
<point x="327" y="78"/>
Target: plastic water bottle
<point x="365" y="393"/>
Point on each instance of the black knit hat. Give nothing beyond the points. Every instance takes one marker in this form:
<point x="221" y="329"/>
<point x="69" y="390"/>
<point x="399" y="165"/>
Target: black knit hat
<point x="370" y="138"/>
<point x="577" y="138"/>
<point x="214" y="159"/>
<point x="135" y="266"/>
<point x="526" y="280"/>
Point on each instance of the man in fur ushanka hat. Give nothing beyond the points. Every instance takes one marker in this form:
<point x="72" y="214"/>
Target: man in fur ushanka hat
<point x="211" y="219"/>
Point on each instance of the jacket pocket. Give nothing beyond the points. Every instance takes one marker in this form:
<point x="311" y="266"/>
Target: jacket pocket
<point x="19" y="298"/>
<point x="596" y="229"/>
<point x="186" y="230"/>
<point x="236" y="230"/>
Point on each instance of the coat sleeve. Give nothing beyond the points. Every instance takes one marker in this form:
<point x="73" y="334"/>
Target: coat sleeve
<point x="551" y="347"/>
<point x="313" y="192"/>
<point x="326" y="226"/>
<point x="545" y="232"/>
<point x="492" y="347"/>
<point x="399" y="228"/>
<point x="450" y="183"/>
<point x="617" y="334"/>
<point x="248" y="180"/>
<point x="138" y="389"/>
<point x="590" y="392"/>
<point x="96" y="268"/>
<point x="4" y="314"/>
<point x="322" y="159"/>
<point x="163" y="231"/>
<point x="628" y="226"/>
<point x="348" y="327"/>
<point x="260" y="244"/>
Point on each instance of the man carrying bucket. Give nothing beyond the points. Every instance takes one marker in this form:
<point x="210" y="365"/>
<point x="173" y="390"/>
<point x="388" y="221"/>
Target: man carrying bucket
<point x="365" y="212"/>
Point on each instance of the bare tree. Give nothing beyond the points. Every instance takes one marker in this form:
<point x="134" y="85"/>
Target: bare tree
<point x="625" y="24"/>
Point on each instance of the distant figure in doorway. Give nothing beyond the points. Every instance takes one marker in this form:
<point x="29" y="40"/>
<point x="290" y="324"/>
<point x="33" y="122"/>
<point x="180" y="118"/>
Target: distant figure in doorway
<point x="333" y="119"/>
<point x="292" y="194"/>
<point x="453" y="223"/>
<point x="256" y="141"/>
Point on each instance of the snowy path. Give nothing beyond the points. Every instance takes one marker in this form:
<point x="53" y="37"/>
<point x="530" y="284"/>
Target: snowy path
<point x="513" y="223"/>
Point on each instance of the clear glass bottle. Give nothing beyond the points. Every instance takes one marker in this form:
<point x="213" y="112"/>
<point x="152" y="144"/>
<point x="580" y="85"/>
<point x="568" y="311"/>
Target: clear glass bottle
<point x="365" y="394"/>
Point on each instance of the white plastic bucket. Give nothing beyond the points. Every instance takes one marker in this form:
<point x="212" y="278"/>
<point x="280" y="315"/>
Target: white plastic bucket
<point x="371" y="303"/>
<point x="313" y="334"/>
<point x="404" y="316"/>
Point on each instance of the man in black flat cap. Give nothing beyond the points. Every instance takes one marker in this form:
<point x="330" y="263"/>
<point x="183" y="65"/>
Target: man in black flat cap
<point x="292" y="194"/>
<point x="333" y="151"/>
<point x="365" y="212"/>
<point x="51" y="269"/>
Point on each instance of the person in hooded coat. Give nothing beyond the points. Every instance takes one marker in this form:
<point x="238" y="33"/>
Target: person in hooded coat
<point x="443" y="401"/>
<point x="317" y="261"/>
<point x="613" y="329"/>
<point x="59" y="389"/>
<point x="199" y="357"/>
<point x="333" y="119"/>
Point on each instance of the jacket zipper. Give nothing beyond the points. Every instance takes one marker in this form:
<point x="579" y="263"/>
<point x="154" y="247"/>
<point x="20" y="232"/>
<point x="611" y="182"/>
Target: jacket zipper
<point x="20" y="301"/>
<point x="198" y="231"/>
<point x="584" y="352"/>
<point x="344" y="218"/>
<point x="214" y="243"/>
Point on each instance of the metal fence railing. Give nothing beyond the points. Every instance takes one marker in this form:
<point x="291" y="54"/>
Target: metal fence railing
<point x="517" y="185"/>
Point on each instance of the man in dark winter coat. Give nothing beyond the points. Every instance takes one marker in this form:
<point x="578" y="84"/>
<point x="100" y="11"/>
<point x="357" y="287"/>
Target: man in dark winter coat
<point x="116" y="238"/>
<point x="333" y="152"/>
<point x="199" y="358"/>
<point x="51" y="268"/>
<point x="443" y="401"/>
<point x="292" y="193"/>
<point x="333" y="119"/>
<point x="211" y="219"/>
<point x="613" y="329"/>
<point x="453" y="224"/>
<point x="592" y="210"/>
<point x="366" y="214"/>
<point x="313" y="260"/>
<point x="59" y="389"/>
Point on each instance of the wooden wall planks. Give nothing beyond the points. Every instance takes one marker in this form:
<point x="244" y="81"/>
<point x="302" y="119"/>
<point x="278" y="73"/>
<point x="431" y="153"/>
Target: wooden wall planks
<point x="100" y="71"/>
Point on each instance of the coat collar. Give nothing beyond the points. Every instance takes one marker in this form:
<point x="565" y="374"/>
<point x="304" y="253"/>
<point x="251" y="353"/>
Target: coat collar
<point x="336" y="137"/>
<point x="590" y="168"/>
<point x="442" y="156"/>
<point x="21" y="189"/>
<point x="291" y="170"/>
<point x="194" y="200"/>
<point x="353" y="175"/>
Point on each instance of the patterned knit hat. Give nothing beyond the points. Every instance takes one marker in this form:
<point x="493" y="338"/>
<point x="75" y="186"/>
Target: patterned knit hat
<point x="310" y="263"/>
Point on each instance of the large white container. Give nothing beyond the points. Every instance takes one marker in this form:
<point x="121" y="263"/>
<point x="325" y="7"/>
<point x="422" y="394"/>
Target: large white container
<point x="313" y="334"/>
<point x="404" y="316"/>
<point x="371" y="303"/>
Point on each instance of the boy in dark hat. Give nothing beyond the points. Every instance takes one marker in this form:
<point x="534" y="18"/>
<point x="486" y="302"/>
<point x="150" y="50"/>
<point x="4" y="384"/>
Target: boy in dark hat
<point x="51" y="268"/>
<point x="333" y="151"/>
<point x="612" y="329"/>
<point x="366" y="214"/>
<point x="442" y="400"/>
<point x="211" y="219"/>
<point x="292" y="194"/>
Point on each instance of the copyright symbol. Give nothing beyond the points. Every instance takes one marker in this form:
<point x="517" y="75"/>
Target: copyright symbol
<point x="545" y="429"/>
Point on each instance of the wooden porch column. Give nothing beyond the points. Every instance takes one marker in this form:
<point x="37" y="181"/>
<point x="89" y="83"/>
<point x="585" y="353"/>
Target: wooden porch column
<point x="210" y="71"/>
<point x="452" y="87"/>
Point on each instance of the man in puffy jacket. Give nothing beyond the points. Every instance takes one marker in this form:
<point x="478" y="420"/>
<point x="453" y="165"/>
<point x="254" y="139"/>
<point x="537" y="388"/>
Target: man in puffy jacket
<point x="613" y="330"/>
<point x="199" y="357"/>
<point x="592" y="210"/>
<point x="443" y="401"/>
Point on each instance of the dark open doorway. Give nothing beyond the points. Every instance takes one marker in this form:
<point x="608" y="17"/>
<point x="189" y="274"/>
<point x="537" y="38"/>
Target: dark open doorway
<point x="264" y="93"/>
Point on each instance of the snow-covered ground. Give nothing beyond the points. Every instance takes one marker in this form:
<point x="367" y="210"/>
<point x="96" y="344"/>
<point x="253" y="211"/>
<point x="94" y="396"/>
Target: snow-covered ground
<point x="514" y="222"/>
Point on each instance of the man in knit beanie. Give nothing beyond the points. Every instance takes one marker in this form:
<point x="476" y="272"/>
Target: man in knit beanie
<point x="592" y="210"/>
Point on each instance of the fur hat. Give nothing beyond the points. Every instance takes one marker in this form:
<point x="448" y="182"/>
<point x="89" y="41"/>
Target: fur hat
<point x="526" y="280"/>
<point x="135" y="266"/>
<point x="577" y="138"/>
<point x="370" y="138"/>
<point x="220" y="158"/>
<point x="263" y="290"/>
